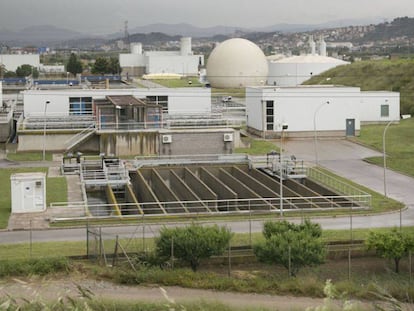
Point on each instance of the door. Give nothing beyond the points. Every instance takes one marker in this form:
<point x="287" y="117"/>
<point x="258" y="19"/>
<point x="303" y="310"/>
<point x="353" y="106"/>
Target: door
<point x="350" y="127"/>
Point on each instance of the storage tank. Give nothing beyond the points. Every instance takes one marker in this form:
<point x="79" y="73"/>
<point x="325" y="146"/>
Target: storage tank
<point x="237" y="63"/>
<point x="322" y="47"/>
<point x="292" y="71"/>
<point x="186" y="46"/>
<point x="136" y="48"/>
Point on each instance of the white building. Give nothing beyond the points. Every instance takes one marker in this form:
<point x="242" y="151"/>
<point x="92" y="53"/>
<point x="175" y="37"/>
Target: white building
<point x="140" y="62"/>
<point x="77" y="101"/>
<point x="328" y="110"/>
<point x="12" y="61"/>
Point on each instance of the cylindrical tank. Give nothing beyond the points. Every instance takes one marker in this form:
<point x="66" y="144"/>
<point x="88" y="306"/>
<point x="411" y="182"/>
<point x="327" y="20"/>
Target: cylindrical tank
<point x="322" y="48"/>
<point x="186" y="46"/>
<point x="136" y="48"/>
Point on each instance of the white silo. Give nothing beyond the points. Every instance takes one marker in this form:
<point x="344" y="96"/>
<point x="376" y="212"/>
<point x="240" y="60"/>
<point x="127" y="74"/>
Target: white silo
<point x="186" y="46"/>
<point x="312" y="45"/>
<point x="136" y="48"/>
<point x="322" y="47"/>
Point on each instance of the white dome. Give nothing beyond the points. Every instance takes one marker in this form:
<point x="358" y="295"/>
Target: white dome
<point x="237" y="63"/>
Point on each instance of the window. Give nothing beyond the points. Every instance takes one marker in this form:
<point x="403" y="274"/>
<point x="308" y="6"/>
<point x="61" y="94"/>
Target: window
<point x="270" y="115"/>
<point x="80" y="105"/>
<point x="159" y="100"/>
<point x="385" y="110"/>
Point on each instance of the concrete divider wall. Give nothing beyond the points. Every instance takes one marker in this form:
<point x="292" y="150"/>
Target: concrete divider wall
<point x="244" y="192"/>
<point x="200" y="188"/>
<point x="144" y="193"/>
<point x="133" y="206"/>
<point x="164" y="194"/>
<point x="184" y="193"/>
<point x="327" y="192"/>
<point x="222" y="190"/>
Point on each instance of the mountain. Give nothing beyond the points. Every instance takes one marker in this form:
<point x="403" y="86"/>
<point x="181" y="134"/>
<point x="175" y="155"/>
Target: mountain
<point x="184" y="29"/>
<point x="38" y="35"/>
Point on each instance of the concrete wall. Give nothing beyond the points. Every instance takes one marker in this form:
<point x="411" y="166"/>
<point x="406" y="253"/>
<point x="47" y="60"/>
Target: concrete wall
<point x="184" y="65"/>
<point x="180" y="100"/>
<point x="129" y="143"/>
<point x="12" y="61"/>
<point x="370" y="107"/>
<point x="193" y="141"/>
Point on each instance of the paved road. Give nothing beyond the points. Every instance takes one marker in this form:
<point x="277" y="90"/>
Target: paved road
<point x="340" y="156"/>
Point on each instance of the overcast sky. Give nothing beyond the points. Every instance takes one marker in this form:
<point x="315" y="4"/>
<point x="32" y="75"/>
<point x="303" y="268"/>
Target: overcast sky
<point x="108" y="16"/>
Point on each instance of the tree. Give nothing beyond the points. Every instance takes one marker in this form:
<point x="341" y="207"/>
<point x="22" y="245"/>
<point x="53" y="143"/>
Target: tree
<point x="74" y="66"/>
<point x="100" y="66"/>
<point x="293" y="246"/>
<point x="114" y="66"/>
<point x="391" y="245"/>
<point x="26" y="70"/>
<point x="192" y="243"/>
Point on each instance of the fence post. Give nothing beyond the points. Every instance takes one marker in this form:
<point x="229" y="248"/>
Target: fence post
<point x="410" y="265"/>
<point x="349" y="263"/>
<point x="250" y="225"/>
<point x="290" y="261"/>
<point x="30" y="240"/>
<point x="229" y="259"/>
<point x="100" y="243"/>
<point x="172" y="252"/>
<point x="115" y="252"/>
<point x="87" y="240"/>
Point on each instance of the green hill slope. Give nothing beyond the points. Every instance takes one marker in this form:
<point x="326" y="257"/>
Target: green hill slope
<point x="395" y="75"/>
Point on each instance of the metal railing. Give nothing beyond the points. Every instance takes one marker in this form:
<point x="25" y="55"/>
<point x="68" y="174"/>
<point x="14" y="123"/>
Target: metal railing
<point x="141" y="161"/>
<point x="333" y="183"/>
<point x="222" y="207"/>
<point x="290" y="168"/>
<point x="78" y="137"/>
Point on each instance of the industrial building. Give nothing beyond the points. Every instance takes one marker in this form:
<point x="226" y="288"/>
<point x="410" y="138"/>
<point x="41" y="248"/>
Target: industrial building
<point x="182" y="62"/>
<point x="323" y="110"/>
<point x="139" y="121"/>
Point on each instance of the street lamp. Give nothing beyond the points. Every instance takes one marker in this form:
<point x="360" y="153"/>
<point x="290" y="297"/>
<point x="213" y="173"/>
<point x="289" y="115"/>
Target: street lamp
<point x="284" y="127"/>
<point x="44" y="131"/>
<point x="315" y="138"/>
<point x="385" y="157"/>
<point x="67" y="77"/>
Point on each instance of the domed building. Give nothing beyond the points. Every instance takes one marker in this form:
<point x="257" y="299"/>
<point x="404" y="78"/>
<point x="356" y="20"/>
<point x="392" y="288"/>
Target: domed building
<point x="237" y="63"/>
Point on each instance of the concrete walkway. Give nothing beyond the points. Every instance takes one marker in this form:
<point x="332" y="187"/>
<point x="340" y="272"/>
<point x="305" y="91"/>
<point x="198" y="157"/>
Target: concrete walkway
<point x="345" y="158"/>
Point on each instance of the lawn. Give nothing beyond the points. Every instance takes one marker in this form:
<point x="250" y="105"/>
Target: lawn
<point x="258" y="147"/>
<point x="56" y="190"/>
<point x="29" y="156"/>
<point x="183" y="82"/>
<point x="399" y="144"/>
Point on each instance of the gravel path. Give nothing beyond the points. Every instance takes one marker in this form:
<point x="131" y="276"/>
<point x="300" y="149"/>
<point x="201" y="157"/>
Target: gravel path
<point x="47" y="289"/>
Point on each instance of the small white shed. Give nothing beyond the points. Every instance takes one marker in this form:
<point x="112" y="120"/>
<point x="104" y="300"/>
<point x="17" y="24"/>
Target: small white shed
<point x="28" y="192"/>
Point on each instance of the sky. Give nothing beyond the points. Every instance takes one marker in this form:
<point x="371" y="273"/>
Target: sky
<point x="108" y="16"/>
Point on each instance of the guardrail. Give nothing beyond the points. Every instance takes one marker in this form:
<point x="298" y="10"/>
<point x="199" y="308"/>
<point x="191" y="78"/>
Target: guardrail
<point x="333" y="183"/>
<point x="227" y="207"/>
<point x="141" y="161"/>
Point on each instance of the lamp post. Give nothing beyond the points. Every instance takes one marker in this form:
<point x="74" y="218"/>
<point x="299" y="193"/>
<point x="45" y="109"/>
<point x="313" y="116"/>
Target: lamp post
<point x="284" y="127"/>
<point x="315" y="138"/>
<point x="44" y="131"/>
<point x="385" y="157"/>
<point x="67" y="77"/>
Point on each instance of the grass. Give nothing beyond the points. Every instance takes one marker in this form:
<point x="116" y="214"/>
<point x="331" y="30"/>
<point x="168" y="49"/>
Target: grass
<point x="175" y="83"/>
<point x="258" y="147"/>
<point x="56" y="190"/>
<point x="399" y="145"/>
<point x="25" y="267"/>
<point x="29" y="156"/>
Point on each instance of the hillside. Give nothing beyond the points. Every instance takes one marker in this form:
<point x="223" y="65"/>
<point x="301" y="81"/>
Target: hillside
<point x="390" y="75"/>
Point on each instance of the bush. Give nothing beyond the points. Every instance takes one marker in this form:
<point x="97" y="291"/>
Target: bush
<point x="193" y="243"/>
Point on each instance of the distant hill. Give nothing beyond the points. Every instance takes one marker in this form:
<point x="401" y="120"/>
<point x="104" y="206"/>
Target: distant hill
<point x="391" y="75"/>
<point x="399" y="27"/>
<point x="153" y="37"/>
<point x="38" y="35"/>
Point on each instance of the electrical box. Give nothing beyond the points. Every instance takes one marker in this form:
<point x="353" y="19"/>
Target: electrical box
<point x="228" y="137"/>
<point x="166" y="139"/>
<point x="28" y="192"/>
